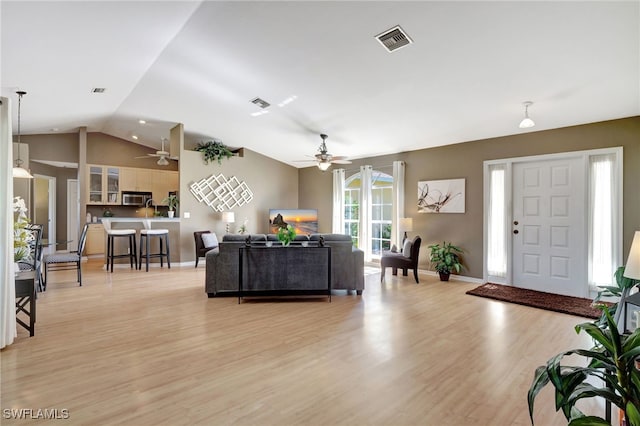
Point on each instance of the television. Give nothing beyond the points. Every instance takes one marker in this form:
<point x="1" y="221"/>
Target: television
<point x="304" y="221"/>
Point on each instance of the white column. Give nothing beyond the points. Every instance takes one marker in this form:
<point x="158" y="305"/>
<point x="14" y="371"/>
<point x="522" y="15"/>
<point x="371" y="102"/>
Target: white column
<point x="338" y="201"/>
<point x="8" y="331"/>
<point x="398" y="203"/>
<point x="365" y="211"/>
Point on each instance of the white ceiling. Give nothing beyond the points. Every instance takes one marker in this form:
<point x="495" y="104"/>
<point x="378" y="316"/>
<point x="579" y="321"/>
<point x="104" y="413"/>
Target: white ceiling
<point x="471" y="66"/>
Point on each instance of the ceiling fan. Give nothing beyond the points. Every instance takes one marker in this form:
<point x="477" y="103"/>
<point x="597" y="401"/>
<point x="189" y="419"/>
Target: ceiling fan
<point x="162" y="154"/>
<point x="324" y="160"/>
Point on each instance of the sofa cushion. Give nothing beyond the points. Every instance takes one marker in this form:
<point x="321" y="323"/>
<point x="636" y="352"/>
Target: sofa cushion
<point x="210" y="240"/>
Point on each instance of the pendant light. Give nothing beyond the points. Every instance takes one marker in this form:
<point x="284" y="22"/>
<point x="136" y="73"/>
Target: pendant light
<point x="18" y="170"/>
<point x="526" y="121"/>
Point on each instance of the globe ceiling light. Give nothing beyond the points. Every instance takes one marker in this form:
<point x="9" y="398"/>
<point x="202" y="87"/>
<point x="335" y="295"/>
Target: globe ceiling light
<point x="526" y="121"/>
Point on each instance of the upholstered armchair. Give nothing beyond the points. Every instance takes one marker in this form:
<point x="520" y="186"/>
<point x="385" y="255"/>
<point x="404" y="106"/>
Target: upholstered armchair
<point x="201" y="250"/>
<point x="402" y="261"/>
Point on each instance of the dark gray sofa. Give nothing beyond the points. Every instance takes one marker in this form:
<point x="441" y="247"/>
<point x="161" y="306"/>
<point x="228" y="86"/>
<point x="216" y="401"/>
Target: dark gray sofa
<point x="222" y="263"/>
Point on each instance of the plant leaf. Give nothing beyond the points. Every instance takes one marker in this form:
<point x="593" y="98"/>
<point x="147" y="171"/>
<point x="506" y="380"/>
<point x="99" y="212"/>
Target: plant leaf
<point x="589" y="421"/>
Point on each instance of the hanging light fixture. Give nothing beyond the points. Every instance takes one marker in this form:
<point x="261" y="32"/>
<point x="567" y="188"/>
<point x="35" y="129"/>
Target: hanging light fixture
<point x="324" y="165"/>
<point x="18" y="170"/>
<point x="526" y="121"/>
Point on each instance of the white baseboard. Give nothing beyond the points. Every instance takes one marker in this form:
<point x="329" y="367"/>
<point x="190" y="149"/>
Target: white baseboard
<point x="455" y="277"/>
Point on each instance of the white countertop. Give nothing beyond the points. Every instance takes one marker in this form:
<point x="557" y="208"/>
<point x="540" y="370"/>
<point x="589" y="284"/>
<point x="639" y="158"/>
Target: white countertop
<point x="106" y="221"/>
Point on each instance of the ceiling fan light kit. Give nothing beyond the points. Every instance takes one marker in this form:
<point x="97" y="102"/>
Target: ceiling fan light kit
<point x="162" y="161"/>
<point x="324" y="159"/>
<point x="526" y="121"/>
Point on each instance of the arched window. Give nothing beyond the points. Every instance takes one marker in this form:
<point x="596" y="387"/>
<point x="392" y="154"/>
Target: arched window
<point x="381" y="210"/>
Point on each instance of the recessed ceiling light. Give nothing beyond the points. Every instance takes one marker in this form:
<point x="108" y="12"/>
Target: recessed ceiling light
<point x="134" y="137"/>
<point x="54" y="129"/>
<point x="142" y="122"/>
<point x="98" y="90"/>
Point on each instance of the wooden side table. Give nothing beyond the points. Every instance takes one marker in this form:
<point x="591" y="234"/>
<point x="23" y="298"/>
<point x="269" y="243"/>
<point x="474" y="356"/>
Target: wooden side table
<point x="26" y="294"/>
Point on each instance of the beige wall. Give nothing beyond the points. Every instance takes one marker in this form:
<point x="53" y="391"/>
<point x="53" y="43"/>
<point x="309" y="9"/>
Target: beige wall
<point x="273" y="184"/>
<point x="465" y="160"/>
<point x="109" y="150"/>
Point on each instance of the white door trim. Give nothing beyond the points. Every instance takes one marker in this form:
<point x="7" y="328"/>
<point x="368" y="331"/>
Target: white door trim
<point x="585" y="154"/>
<point x="52" y="211"/>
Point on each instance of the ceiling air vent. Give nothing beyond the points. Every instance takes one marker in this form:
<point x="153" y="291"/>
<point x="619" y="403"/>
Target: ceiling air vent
<point x="394" y="39"/>
<point x="260" y="102"/>
<point x="98" y="90"/>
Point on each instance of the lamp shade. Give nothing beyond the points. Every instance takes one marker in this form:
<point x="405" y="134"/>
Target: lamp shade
<point x="632" y="268"/>
<point x="406" y="224"/>
<point x="19" y="172"/>
<point x="324" y="165"/>
<point x="526" y="123"/>
<point x="228" y="217"/>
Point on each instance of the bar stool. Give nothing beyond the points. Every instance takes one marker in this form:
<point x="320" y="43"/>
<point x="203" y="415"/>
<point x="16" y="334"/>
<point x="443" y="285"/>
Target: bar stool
<point x="112" y="234"/>
<point x="162" y="234"/>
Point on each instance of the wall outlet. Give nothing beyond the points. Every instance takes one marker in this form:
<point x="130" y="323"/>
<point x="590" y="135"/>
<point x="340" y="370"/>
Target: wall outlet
<point x="186" y="215"/>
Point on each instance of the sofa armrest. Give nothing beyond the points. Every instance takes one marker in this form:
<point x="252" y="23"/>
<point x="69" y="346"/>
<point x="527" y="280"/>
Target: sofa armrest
<point x="358" y="267"/>
<point x="211" y="258"/>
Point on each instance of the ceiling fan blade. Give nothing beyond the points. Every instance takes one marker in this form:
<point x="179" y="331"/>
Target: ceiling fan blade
<point x="142" y="157"/>
<point x="334" y="161"/>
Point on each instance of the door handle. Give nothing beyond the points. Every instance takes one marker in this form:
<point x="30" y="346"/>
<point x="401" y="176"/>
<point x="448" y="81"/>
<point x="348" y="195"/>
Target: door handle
<point x="515" y="231"/>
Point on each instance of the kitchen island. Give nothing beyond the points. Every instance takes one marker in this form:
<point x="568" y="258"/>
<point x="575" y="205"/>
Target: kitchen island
<point x="138" y="223"/>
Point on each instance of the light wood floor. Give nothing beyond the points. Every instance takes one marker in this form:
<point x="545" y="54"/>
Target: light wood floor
<point x="142" y="348"/>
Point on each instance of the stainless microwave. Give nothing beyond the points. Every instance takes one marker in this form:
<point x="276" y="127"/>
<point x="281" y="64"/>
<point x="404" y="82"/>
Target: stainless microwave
<point x="140" y="199"/>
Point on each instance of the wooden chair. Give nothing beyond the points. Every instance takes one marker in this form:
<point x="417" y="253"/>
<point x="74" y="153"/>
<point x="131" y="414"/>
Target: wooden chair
<point x="201" y="250"/>
<point x="400" y="261"/>
<point x="69" y="260"/>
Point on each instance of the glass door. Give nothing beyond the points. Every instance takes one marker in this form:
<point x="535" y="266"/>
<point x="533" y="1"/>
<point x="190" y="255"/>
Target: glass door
<point x="95" y="185"/>
<point x="113" y="185"/>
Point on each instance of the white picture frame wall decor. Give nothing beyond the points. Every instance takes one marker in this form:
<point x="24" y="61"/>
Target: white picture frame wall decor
<point x="441" y="196"/>
<point x="220" y="193"/>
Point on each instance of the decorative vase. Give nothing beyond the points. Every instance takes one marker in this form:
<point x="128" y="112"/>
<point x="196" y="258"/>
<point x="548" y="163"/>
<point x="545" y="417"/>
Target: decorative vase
<point x="171" y="213"/>
<point x="444" y="276"/>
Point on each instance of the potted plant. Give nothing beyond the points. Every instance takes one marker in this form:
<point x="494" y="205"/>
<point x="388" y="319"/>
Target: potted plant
<point x="21" y="236"/>
<point x="445" y="259"/>
<point x="611" y="363"/>
<point x="213" y="150"/>
<point x="286" y="235"/>
<point x="172" y="202"/>
<point x="620" y="291"/>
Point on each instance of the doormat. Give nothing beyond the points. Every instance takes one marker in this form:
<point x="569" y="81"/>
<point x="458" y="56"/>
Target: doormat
<point x="537" y="299"/>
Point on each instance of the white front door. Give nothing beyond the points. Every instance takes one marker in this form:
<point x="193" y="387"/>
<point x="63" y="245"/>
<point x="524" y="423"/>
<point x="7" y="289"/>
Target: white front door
<point x="548" y="229"/>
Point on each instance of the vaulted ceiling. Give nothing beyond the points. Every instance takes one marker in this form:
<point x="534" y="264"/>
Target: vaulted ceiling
<point x="465" y="76"/>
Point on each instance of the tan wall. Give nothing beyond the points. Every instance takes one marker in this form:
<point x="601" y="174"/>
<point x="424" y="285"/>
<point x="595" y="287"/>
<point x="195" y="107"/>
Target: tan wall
<point x="109" y="150"/>
<point x="465" y="160"/>
<point x="274" y="185"/>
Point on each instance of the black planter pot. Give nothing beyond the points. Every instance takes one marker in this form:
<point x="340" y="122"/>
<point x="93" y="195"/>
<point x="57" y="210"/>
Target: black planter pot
<point x="444" y="276"/>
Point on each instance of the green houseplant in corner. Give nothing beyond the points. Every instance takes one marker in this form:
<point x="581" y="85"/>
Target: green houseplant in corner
<point x="213" y="150"/>
<point x="445" y="259"/>
<point x="612" y="360"/>
<point x="172" y="202"/>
